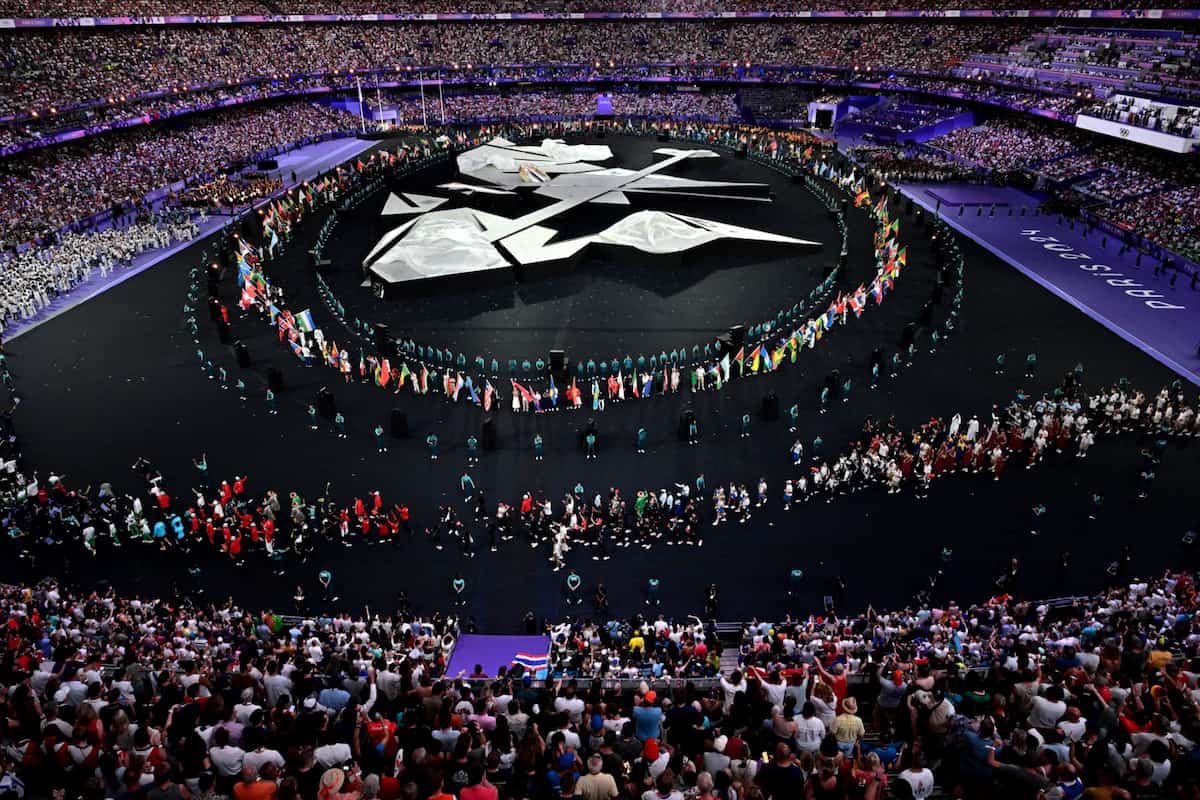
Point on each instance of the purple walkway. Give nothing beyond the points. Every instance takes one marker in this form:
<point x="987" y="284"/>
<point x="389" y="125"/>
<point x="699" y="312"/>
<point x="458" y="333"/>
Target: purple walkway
<point x="1107" y="286"/>
<point x="306" y="161"/>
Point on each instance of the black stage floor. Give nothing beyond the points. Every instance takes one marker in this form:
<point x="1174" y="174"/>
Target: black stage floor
<point x="614" y="300"/>
<point x="117" y="378"/>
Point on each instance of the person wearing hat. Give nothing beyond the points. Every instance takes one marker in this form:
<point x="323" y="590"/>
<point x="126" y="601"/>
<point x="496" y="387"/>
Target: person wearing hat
<point x="648" y="717"/>
<point x="655" y="757"/>
<point x="847" y="727"/>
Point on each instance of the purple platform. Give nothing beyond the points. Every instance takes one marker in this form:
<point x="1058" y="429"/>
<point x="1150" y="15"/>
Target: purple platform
<point x="307" y="162"/>
<point x="491" y="652"/>
<point x="1101" y="282"/>
<point x="967" y="194"/>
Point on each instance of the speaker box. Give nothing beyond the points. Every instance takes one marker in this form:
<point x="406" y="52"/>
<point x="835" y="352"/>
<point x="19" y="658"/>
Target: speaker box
<point x="223" y="332"/>
<point x="243" y="354"/>
<point x="487" y="433"/>
<point x="737" y="336"/>
<point x="827" y="270"/>
<point x="558" y="361"/>
<point x="326" y="405"/>
<point x="685" y="422"/>
<point x="770" y="407"/>
<point x="399" y="424"/>
<point x="381" y="337"/>
<point x="275" y="380"/>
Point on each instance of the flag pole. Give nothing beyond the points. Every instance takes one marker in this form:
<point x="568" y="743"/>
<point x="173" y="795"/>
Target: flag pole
<point x="362" y="120"/>
<point x="441" y="105"/>
<point x="424" y="116"/>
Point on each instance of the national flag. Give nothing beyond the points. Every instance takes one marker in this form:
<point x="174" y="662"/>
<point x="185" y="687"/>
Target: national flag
<point x="725" y="365"/>
<point x="756" y="359"/>
<point x="861" y="198"/>
<point x="740" y="357"/>
<point x="877" y="292"/>
<point x="532" y="661"/>
<point x="304" y="321"/>
<point x="488" y="393"/>
<point x="299" y="351"/>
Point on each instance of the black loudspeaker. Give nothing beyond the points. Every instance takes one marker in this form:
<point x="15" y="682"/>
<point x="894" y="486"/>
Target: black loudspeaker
<point x="381" y="337"/>
<point x="243" y="354"/>
<point x="326" y="405"/>
<point x="737" y="336"/>
<point x="558" y="362"/>
<point x="827" y="270"/>
<point x="268" y="164"/>
<point x="487" y="434"/>
<point x="275" y="380"/>
<point x="223" y="332"/>
<point x="399" y="424"/>
<point x="685" y="423"/>
<point x="770" y="407"/>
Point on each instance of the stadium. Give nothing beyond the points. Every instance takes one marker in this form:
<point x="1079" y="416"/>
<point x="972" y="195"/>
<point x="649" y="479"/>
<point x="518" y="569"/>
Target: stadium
<point x="583" y="398"/>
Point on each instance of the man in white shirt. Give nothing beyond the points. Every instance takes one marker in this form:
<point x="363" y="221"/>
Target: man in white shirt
<point x="570" y="703"/>
<point x="226" y="759"/>
<point x="919" y="778"/>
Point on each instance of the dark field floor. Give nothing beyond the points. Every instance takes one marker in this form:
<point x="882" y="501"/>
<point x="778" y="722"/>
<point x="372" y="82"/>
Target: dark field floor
<point x="117" y="378"/>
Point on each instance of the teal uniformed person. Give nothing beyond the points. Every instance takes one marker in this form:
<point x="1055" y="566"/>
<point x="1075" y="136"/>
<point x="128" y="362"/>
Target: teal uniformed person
<point x="652" y="586"/>
<point x="590" y="441"/>
<point x="241" y="387"/>
<point x="745" y="426"/>
<point x="431" y="441"/>
<point x="793" y="418"/>
<point x="641" y="440"/>
<point x="339" y="422"/>
<point x="824" y="399"/>
<point x="379" y="442"/>
<point x="472" y="450"/>
<point x="312" y="416"/>
<point x="538" y="447"/>
<point x="1031" y="365"/>
<point x="224" y="377"/>
<point x="875" y="376"/>
<point x="271" y="405"/>
<point x="846" y="390"/>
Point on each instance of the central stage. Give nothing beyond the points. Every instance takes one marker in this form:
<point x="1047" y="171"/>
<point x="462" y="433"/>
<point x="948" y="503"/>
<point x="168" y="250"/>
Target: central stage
<point x="655" y="250"/>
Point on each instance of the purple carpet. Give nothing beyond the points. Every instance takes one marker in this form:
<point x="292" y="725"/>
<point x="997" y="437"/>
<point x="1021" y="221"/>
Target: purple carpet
<point x="967" y="194"/>
<point x="1086" y="271"/>
<point x="491" y="652"/>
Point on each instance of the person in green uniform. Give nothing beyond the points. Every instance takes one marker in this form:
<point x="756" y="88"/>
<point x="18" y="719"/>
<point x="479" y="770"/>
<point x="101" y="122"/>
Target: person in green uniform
<point x="241" y="387"/>
<point x="312" y="417"/>
<point x="1000" y="360"/>
<point x="431" y="441"/>
<point x="379" y="441"/>
<point x="472" y="450"/>
<point x="538" y="447"/>
<point x="745" y="426"/>
<point x="339" y="423"/>
<point x="1031" y="365"/>
<point x="641" y="441"/>
<point x="272" y="408"/>
<point x="325" y="578"/>
<point x="590" y="441"/>
<point x="793" y="418"/>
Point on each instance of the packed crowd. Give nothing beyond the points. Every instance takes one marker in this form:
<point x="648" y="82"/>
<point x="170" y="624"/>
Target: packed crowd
<point x="1009" y="145"/>
<point x="900" y="165"/>
<point x="558" y="105"/>
<point x="43" y="191"/>
<point x="1177" y="120"/>
<point x="137" y="697"/>
<point x="148" y="8"/>
<point x="33" y="278"/>
<point x="64" y="67"/>
<point x="221" y="192"/>
<point x="1073" y="55"/>
<point x="902" y="116"/>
